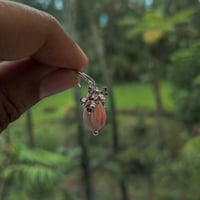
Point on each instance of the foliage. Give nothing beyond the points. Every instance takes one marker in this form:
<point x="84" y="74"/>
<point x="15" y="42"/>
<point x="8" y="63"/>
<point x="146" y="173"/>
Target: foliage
<point x="181" y="71"/>
<point x="153" y="25"/>
<point x="183" y="172"/>
<point x="186" y="82"/>
<point x="188" y="106"/>
<point x="35" y="170"/>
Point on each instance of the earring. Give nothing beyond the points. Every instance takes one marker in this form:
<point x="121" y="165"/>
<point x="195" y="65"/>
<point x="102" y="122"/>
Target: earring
<point x="94" y="114"/>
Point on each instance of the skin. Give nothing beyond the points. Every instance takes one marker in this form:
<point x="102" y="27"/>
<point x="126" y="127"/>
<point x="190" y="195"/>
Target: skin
<point x="39" y="59"/>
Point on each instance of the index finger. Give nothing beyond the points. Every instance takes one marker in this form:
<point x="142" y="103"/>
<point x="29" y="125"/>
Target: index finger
<point x="27" y="32"/>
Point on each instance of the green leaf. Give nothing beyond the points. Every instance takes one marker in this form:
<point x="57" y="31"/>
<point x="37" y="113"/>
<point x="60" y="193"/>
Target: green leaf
<point x="32" y="174"/>
<point x="181" y="55"/>
<point x="42" y="157"/>
<point x="183" y="16"/>
<point x="114" y="168"/>
<point x="128" y="21"/>
<point x="192" y="148"/>
<point x="187" y="54"/>
<point x="133" y="33"/>
<point x="196" y="81"/>
<point x="154" y="20"/>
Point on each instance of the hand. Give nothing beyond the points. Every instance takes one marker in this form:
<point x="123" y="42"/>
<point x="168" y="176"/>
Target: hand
<point x="40" y="59"/>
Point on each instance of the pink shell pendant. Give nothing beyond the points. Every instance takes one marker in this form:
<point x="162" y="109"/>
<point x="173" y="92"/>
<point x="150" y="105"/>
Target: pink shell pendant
<point x="94" y="114"/>
<point x="96" y="119"/>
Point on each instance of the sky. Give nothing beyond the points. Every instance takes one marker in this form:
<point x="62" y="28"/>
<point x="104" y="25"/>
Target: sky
<point x="148" y="2"/>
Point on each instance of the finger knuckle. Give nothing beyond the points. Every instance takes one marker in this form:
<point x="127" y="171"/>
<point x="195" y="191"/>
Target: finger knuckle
<point x="9" y="109"/>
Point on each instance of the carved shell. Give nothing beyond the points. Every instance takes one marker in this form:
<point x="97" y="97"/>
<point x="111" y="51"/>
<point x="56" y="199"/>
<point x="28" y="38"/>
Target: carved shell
<point x="96" y="119"/>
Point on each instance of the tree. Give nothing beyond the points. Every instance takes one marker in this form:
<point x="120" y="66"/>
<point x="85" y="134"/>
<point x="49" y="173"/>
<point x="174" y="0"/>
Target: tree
<point x="99" y="54"/>
<point x="187" y="85"/>
<point x="152" y="28"/>
<point x="81" y="137"/>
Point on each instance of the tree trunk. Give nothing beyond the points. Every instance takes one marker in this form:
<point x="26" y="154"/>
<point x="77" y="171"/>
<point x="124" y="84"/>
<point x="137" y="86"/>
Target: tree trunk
<point x="90" y="28"/>
<point x="85" y="161"/>
<point x="155" y="83"/>
<point x="113" y="115"/>
<point x="30" y="129"/>
<point x="159" y="109"/>
<point x="150" y="187"/>
<point x="2" y="183"/>
<point x="102" y="60"/>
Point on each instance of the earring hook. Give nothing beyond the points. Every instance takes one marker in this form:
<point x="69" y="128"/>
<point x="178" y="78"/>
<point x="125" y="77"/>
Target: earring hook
<point x="87" y="78"/>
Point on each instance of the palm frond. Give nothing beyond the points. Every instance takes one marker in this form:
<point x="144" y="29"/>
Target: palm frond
<point x="32" y="174"/>
<point x="42" y="157"/>
<point x="183" y="16"/>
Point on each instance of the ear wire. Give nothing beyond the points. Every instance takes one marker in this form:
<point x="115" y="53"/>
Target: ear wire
<point x="87" y="78"/>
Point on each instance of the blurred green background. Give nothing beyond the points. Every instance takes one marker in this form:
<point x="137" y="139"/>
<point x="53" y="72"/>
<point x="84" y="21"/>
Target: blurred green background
<point x="147" y="53"/>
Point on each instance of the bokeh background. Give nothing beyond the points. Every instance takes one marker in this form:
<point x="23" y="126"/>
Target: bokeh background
<point x="147" y="52"/>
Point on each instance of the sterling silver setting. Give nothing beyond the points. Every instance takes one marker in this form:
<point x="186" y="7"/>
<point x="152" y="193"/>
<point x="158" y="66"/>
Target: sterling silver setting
<point x="94" y="114"/>
<point x="95" y="96"/>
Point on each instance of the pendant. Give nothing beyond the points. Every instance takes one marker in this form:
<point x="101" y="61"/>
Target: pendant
<point x="94" y="113"/>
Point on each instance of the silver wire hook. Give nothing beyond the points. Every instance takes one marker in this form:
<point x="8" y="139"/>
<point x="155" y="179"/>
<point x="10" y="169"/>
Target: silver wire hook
<point x="87" y="78"/>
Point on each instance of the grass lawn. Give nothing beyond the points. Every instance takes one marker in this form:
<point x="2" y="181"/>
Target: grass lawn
<point x="131" y="95"/>
<point x="54" y="132"/>
<point x="56" y="107"/>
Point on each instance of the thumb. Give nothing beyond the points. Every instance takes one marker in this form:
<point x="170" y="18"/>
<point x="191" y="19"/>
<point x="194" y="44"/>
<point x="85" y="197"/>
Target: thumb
<point x="24" y="83"/>
<point x="58" y="81"/>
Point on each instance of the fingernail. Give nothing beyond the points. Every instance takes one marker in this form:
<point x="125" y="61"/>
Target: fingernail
<point x="58" y="81"/>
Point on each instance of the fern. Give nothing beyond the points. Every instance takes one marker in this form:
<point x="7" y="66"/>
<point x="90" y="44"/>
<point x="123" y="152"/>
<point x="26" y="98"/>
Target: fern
<point x="43" y="157"/>
<point x="37" y="167"/>
<point x="30" y="175"/>
<point x="187" y="54"/>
